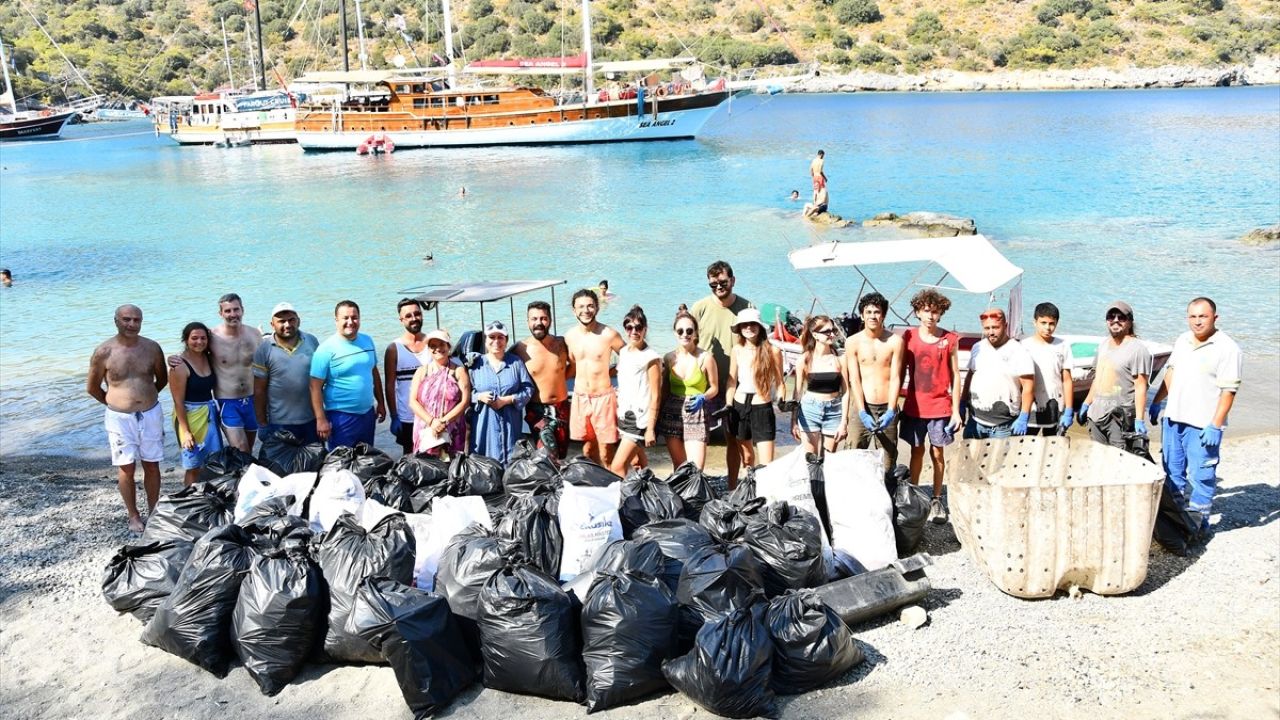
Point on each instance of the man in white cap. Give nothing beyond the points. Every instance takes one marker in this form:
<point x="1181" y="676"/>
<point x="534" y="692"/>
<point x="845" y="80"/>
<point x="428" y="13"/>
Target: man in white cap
<point x="282" y="376"/>
<point x="1120" y="377"/>
<point x="401" y="360"/>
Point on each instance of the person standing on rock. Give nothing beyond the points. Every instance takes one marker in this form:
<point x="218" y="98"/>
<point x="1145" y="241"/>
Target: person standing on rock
<point x="1120" y="378"/>
<point x="817" y="168"/>
<point x="134" y="372"/>
<point x="931" y="410"/>
<point x="1200" y="385"/>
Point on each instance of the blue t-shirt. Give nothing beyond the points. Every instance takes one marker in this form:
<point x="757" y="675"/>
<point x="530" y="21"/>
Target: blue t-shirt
<point x="346" y="368"/>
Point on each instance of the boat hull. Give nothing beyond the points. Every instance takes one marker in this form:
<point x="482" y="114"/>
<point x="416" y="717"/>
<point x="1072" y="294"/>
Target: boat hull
<point x="34" y="128"/>
<point x="668" y="125"/>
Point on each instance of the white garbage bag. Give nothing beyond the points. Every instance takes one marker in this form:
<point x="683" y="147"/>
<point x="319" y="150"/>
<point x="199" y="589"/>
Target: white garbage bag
<point x="256" y="486"/>
<point x="449" y="516"/>
<point x="860" y="508"/>
<point x="588" y="521"/>
<point x="337" y="492"/>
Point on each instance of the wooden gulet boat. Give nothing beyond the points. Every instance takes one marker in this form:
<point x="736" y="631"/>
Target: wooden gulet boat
<point x="28" y="125"/>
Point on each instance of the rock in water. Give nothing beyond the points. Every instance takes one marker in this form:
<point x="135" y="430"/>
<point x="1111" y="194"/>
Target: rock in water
<point x="830" y="219"/>
<point x="1262" y="236"/>
<point x="926" y="224"/>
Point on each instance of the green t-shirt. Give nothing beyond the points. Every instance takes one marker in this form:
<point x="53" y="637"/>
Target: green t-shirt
<point x="715" y="329"/>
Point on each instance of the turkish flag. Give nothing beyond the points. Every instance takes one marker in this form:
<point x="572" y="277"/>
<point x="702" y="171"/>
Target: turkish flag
<point x="250" y="4"/>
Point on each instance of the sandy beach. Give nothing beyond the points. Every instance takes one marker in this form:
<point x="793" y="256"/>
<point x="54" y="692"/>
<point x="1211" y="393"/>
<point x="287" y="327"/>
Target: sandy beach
<point x="1199" y="639"/>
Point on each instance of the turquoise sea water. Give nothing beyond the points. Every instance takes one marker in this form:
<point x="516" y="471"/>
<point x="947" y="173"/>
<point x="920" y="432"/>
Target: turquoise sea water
<point x="1139" y="195"/>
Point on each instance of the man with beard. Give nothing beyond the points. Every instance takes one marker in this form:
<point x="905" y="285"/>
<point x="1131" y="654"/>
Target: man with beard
<point x="593" y="418"/>
<point x="546" y="357"/>
<point x="133" y="368"/>
<point x="715" y="315"/>
<point x="1000" y="384"/>
<point x="402" y="359"/>
<point x="1120" y="379"/>
<point x="233" y="346"/>
<point x="282" y="376"/>
<point x="345" y="385"/>
<point x="874" y="367"/>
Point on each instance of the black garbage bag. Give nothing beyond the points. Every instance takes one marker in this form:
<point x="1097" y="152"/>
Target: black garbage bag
<point x="283" y="453"/>
<point x="224" y="468"/>
<point x="347" y="555"/>
<point x="272" y="519"/>
<point x="642" y="558"/>
<point x="727" y="672"/>
<point x="679" y="539"/>
<point x="475" y="475"/>
<point x="726" y="518"/>
<point x="190" y="513"/>
<point x="141" y="576"/>
<point x="531" y="471"/>
<point x="424" y="478"/>
<point x="194" y="621"/>
<point x="693" y="488"/>
<point x="1177" y="528"/>
<point x="811" y="644"/>
<point x="719" y="578"/>
<point x="585" y="472"/>
<point x="645" y="499"/>
<point x="366" y="461"/>
<point x="818" y="488"/>
<point x="473" y="556"/>
<point x="788" y="543"/>
<point x="418" y="637"/>
<point x="279" y="617"/>
<point x="530" y="523"/>
<point x="910" y="510"/>
<point x="529" y="635"/>
<point x="628" y="629"/>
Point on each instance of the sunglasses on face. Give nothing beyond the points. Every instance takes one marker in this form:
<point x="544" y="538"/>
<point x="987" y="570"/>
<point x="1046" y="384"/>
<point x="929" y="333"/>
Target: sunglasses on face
<point x="683" y="332"/>
<point x="822" y="331"/>
<point x="632" y="327"/>
<point x="718" y="284"/>
<point x="1113" y="316"/>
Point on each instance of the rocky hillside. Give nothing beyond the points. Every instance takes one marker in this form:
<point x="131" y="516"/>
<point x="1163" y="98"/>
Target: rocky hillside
<point x="140" y="48"/>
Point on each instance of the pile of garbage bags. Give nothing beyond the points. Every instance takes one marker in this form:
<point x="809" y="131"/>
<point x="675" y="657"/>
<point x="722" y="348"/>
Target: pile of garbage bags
<point x="563" y="581"/>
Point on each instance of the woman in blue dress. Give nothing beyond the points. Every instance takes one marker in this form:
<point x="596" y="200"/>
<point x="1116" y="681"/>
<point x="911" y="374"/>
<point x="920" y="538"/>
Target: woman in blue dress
<point x="500" y="388"/>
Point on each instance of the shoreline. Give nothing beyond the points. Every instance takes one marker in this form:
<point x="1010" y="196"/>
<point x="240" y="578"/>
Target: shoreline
<point x="1265" y="70"/>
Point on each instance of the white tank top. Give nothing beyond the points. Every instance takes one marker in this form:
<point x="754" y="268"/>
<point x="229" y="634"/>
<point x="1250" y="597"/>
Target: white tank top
<point x="407" y="363"/>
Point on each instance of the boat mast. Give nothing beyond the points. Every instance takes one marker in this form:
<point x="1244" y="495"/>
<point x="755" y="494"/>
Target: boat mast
<point x="586" y="49"/>
<point x="248" y="51"/>
<point x="262" y="66"/>
<point x="448" y="41"/>
<point x="360" y="34"/>
<point x="342" y="19"/>
<point x="226" y="51"/>
<point x="7" y="98"/>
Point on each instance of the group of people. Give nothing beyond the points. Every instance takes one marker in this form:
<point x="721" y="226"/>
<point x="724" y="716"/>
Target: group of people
<point x="723" y="377"/>
<point x="818" y="176"/>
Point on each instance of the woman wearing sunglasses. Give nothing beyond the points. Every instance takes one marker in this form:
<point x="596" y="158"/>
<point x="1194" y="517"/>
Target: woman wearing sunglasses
<point x="691" y="380"/>
<point x="822" y="386"/>
<point x="639" y="393"/>
<point x="755" y="377"/>
<point x="438" y="395"/>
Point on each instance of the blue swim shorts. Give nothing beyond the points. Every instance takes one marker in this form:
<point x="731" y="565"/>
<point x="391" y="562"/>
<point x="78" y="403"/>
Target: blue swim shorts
<point x="237" y="413"/>
<point x="915" y="430"/>
<point x="349" y="429"/>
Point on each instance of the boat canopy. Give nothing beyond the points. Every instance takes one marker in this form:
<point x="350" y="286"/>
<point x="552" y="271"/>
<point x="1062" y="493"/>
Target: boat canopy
<point x="479" y="292"/>
<point x="971" y="259"/>
<point x="630" y="66"/>
<point x="353" y="77"/>
<point x="566" y="65"/>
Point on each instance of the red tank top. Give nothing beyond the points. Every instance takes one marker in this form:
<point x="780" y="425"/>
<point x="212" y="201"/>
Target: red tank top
<point x="929" y="376"/>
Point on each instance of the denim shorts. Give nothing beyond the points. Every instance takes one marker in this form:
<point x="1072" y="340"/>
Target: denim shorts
<point x="818" y="415"/>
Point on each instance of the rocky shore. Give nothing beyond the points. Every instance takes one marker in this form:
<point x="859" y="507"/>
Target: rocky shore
<point x="1263" y="71"/>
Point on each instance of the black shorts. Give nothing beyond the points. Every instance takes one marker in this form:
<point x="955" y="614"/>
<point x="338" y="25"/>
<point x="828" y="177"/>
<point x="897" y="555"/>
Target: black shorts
<point x="753" y="422"/>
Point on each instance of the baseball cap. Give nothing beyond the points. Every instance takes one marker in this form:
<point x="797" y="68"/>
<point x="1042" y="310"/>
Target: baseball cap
<point x="1122" y="306"/>
<point x="440" y="334"/>
<point x="498" y="327"/>
<point x="282" y="307"/>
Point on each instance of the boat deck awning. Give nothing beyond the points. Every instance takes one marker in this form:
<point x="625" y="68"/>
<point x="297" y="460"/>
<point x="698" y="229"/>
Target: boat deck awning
<point x="353" y="77"/>
<point x="478" y="292"/>
<point x="970" y="259"/>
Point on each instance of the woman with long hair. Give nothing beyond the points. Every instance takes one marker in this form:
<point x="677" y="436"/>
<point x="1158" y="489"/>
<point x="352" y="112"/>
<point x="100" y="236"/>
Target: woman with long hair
<point x="691" y="381"/>
<point x="755" y="377"/>
<point x="821" y="420"/>
<point x="439" y="394"/>
<point x="639" y="393"/>
<point x="195" y="416"/>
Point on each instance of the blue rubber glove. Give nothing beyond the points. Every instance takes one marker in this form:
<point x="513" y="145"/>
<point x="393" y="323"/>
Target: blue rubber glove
<point x="1211" y="436"/>
<point x="395" y="424"/>
<point x="886" y="419"/>
<point x="695" y="403"/>
<point x="1068" y="416"/>
<point x="1020" y="425"/>
<point x="1156" y="410"/>
<point x="868" y="422"/>
<point x="1140" y="426"/>
<point x="1083" y="415"/>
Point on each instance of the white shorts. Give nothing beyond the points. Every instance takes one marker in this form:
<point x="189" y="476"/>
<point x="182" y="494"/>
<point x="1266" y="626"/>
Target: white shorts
<point x="135" y="436"/>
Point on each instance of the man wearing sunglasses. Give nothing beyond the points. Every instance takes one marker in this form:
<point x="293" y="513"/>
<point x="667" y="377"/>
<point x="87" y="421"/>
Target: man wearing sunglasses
<point x="1120" y="376"/>
<point x="716" y="315"/>
<point x="1000" y="384"/>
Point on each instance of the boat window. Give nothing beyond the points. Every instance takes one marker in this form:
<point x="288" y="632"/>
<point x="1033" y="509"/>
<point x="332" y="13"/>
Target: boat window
<point x="482" y="99"/>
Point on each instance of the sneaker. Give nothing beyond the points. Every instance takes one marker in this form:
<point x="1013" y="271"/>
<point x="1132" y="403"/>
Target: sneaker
<point x="937" y="513"/>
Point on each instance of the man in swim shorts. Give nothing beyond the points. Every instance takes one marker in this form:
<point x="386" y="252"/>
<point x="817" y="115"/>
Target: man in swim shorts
<point x="401" y="360"/>
<point x="820" y="199"/>
<point x="817" y="167"/>
<point x="931" y="411"/>
<point x="346" y="390"/>
<point x="282" y="376"/>
<point x="716" y="315"/>
<point x="873" y="360"/>
<point x="546" y="357"/>
<point x="593" y="418"/>
<point x="233" y="344"/>
<point x="133" y="368"/>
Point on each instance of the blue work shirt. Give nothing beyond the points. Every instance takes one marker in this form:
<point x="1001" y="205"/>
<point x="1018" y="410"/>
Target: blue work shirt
<point x="494" y="432"/>
<point x="347" y="368"/>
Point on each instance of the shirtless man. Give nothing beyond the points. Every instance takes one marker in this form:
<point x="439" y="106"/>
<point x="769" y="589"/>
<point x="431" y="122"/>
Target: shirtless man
<point x="133" y="368"/>
<point x="593" y="418"/>
<point x="233" y="345"/>
<point x="820" y="199"/>
<point x="546" y="357"/>
<point x="817" y="167"/>
<point x="401" y="360"/>
<point x="873" y="360"/>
